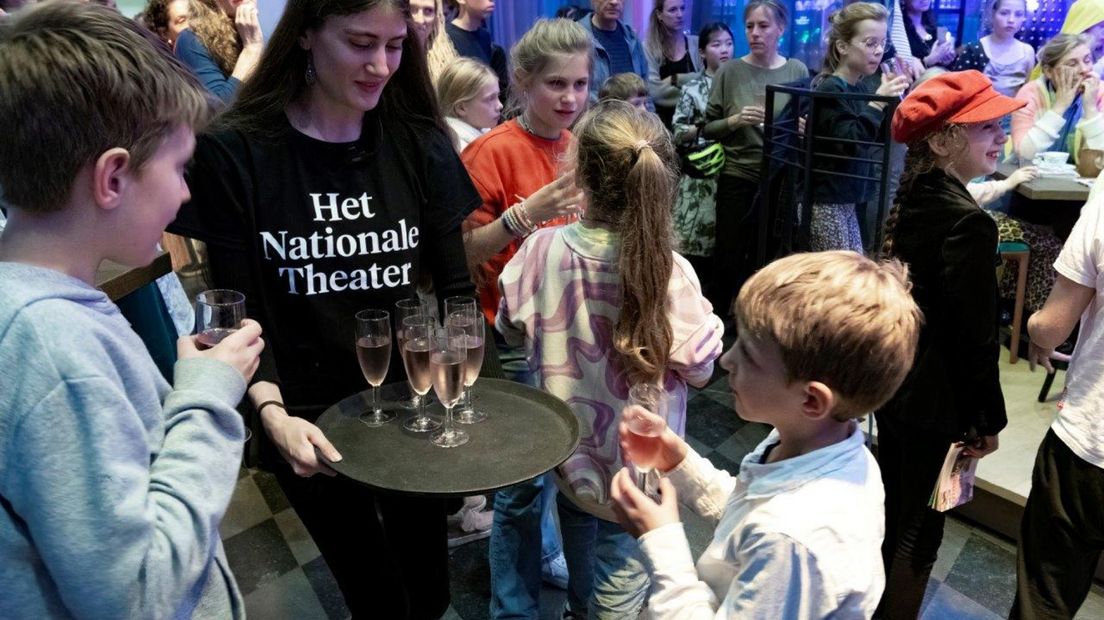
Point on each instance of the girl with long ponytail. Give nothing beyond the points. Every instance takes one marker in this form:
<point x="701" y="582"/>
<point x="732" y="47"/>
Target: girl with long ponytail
<point x="603" y="304"/>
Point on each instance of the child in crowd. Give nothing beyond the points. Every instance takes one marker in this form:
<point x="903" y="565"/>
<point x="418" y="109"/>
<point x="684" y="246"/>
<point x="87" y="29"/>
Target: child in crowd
<point x="467" y="92"/>
<point x="855" y="46"/>
<point x="1005" y="60"/>
<point x="824" y="338"/>
<point x="517" y="169"/>
<point x="628" y="87"/>
<point x="112" y="482"/>
<point x="610" y="285"/>
<point x="1061" y="532"/>
<point x="952" y="126"/>
<point x="696" y="205"/>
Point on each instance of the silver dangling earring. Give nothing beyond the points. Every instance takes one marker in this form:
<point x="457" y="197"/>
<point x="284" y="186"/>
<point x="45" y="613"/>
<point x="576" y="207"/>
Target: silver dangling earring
<point x="310" y="76"/>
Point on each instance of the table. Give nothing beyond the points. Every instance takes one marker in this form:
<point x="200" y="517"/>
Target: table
<point x="118" y="281"/>
<point x="1047" y="188"/>
<point x="527" y="433"/>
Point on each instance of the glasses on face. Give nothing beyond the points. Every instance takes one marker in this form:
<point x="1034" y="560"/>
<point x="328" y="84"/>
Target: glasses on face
<point x="873" y="44"/>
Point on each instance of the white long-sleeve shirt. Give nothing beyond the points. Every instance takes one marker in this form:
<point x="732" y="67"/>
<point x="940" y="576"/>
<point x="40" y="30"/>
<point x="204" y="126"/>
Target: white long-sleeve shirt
<point x="799" y="538"/>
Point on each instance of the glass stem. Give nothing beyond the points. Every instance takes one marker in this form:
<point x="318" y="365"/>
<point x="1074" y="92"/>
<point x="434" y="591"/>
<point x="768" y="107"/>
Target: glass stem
<point x="448" y="420"/>
<point x="467" y="398"/>
<point x="421" y="405"/>
<point x="375" y="401"/>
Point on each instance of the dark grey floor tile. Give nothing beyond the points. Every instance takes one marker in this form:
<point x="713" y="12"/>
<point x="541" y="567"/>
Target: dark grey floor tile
<point x="986" y="572"/>
<point x="949" y="604"/>
<point x="470" y="580"/>
<point x="325" y="588"/>
<point x="271" y="491"/>
<point x="710" y="422"/>
<point x="258" y="555"/>
<point x="721" y="461"/>
<point x="743" y="441"/>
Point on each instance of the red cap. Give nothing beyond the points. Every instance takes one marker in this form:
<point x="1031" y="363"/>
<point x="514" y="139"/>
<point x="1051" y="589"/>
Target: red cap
<point x="955" y="97"/>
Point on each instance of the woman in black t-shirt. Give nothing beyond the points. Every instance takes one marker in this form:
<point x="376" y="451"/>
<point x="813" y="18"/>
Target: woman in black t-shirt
<point x="330" y="187"/>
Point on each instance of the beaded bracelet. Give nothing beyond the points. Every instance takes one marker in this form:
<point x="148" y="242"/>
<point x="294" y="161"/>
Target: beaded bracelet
<point x="517" y="221"/>
<point x="523" y="217"/>
<point x="509" y="220"/>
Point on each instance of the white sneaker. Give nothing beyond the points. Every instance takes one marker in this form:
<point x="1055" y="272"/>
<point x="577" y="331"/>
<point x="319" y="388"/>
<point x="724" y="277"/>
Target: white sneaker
<point x="470" y="523"/>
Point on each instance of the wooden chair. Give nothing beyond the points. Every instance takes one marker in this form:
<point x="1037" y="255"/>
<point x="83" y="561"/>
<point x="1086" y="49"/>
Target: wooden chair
<point x="1019" y="252"/>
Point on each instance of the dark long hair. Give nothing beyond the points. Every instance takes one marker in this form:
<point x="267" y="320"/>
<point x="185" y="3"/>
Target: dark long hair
<point x="280" y="76"/>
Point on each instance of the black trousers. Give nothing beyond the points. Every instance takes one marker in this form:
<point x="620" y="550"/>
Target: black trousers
<point x="1061" y="535"/>
<point x="389" y="553"/>
<point x="737" y="230"/>
<point x="910" y="461"/>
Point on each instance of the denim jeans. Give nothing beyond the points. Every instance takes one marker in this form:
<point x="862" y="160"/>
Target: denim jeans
<point x="523" y="534"/>
<point x="523" y="525"/>
<point x="607" y="578"/>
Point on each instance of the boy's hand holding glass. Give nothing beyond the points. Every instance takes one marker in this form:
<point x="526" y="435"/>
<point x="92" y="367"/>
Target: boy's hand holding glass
<point x="240" y="348"/>
<point x="661" y="453"/>
<point x="638" y="513"/>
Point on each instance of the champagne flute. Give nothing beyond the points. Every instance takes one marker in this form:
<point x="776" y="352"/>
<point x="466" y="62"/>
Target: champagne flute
<point x="373" y="346"/>
<point x="417" y="346"/>
<point x="461" y="303"/>
<point x="474" y="339"/>
<point x="645" y="430"/>
<point x="413" y="306"/>
<point x="219" y="313"/>
<point x="446" y="362"/>
<point x="759" y="100"/>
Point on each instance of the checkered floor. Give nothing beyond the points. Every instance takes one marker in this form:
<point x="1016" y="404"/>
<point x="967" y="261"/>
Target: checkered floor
<point x="279" y="570"/>
<point x="282" y="575"/>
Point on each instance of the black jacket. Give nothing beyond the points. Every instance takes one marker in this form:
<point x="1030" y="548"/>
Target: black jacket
<point x="950" y="246"/>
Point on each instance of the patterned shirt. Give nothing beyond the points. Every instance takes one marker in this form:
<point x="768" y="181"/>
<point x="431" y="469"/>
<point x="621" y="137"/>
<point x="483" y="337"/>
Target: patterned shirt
<point x="561" y="293"/>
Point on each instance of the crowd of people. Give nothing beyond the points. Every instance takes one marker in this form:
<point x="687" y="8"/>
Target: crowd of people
<point x="595" y="190"/>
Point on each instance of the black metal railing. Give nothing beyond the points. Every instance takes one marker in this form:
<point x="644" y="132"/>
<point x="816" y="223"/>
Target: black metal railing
<point x="787" y="150"/>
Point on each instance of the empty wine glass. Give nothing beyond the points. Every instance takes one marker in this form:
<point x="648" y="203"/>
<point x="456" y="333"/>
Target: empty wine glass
<point x="417" y="348"/>
<point x="219" y="313"/>
<point x="404" y="308"/>
<point x="471" y="322"/>
<point x="373" y="345"/>
<point x="460" y="303"/>
<point x="446" y="361"/>
<point x="645" y="430"/>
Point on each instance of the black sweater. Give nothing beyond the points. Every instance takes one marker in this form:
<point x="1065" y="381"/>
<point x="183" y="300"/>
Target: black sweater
<point x="850" y="120"/>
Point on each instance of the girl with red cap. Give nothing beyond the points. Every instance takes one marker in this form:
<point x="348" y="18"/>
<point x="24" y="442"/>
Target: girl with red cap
<point x="952" y="126"/>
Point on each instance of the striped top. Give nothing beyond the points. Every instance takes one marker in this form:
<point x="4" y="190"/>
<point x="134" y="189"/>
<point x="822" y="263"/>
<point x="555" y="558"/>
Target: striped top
<point x="561" y="295"/>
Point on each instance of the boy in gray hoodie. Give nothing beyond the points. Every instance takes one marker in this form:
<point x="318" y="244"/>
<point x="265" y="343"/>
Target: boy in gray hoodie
<point x="112" y="482"/>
